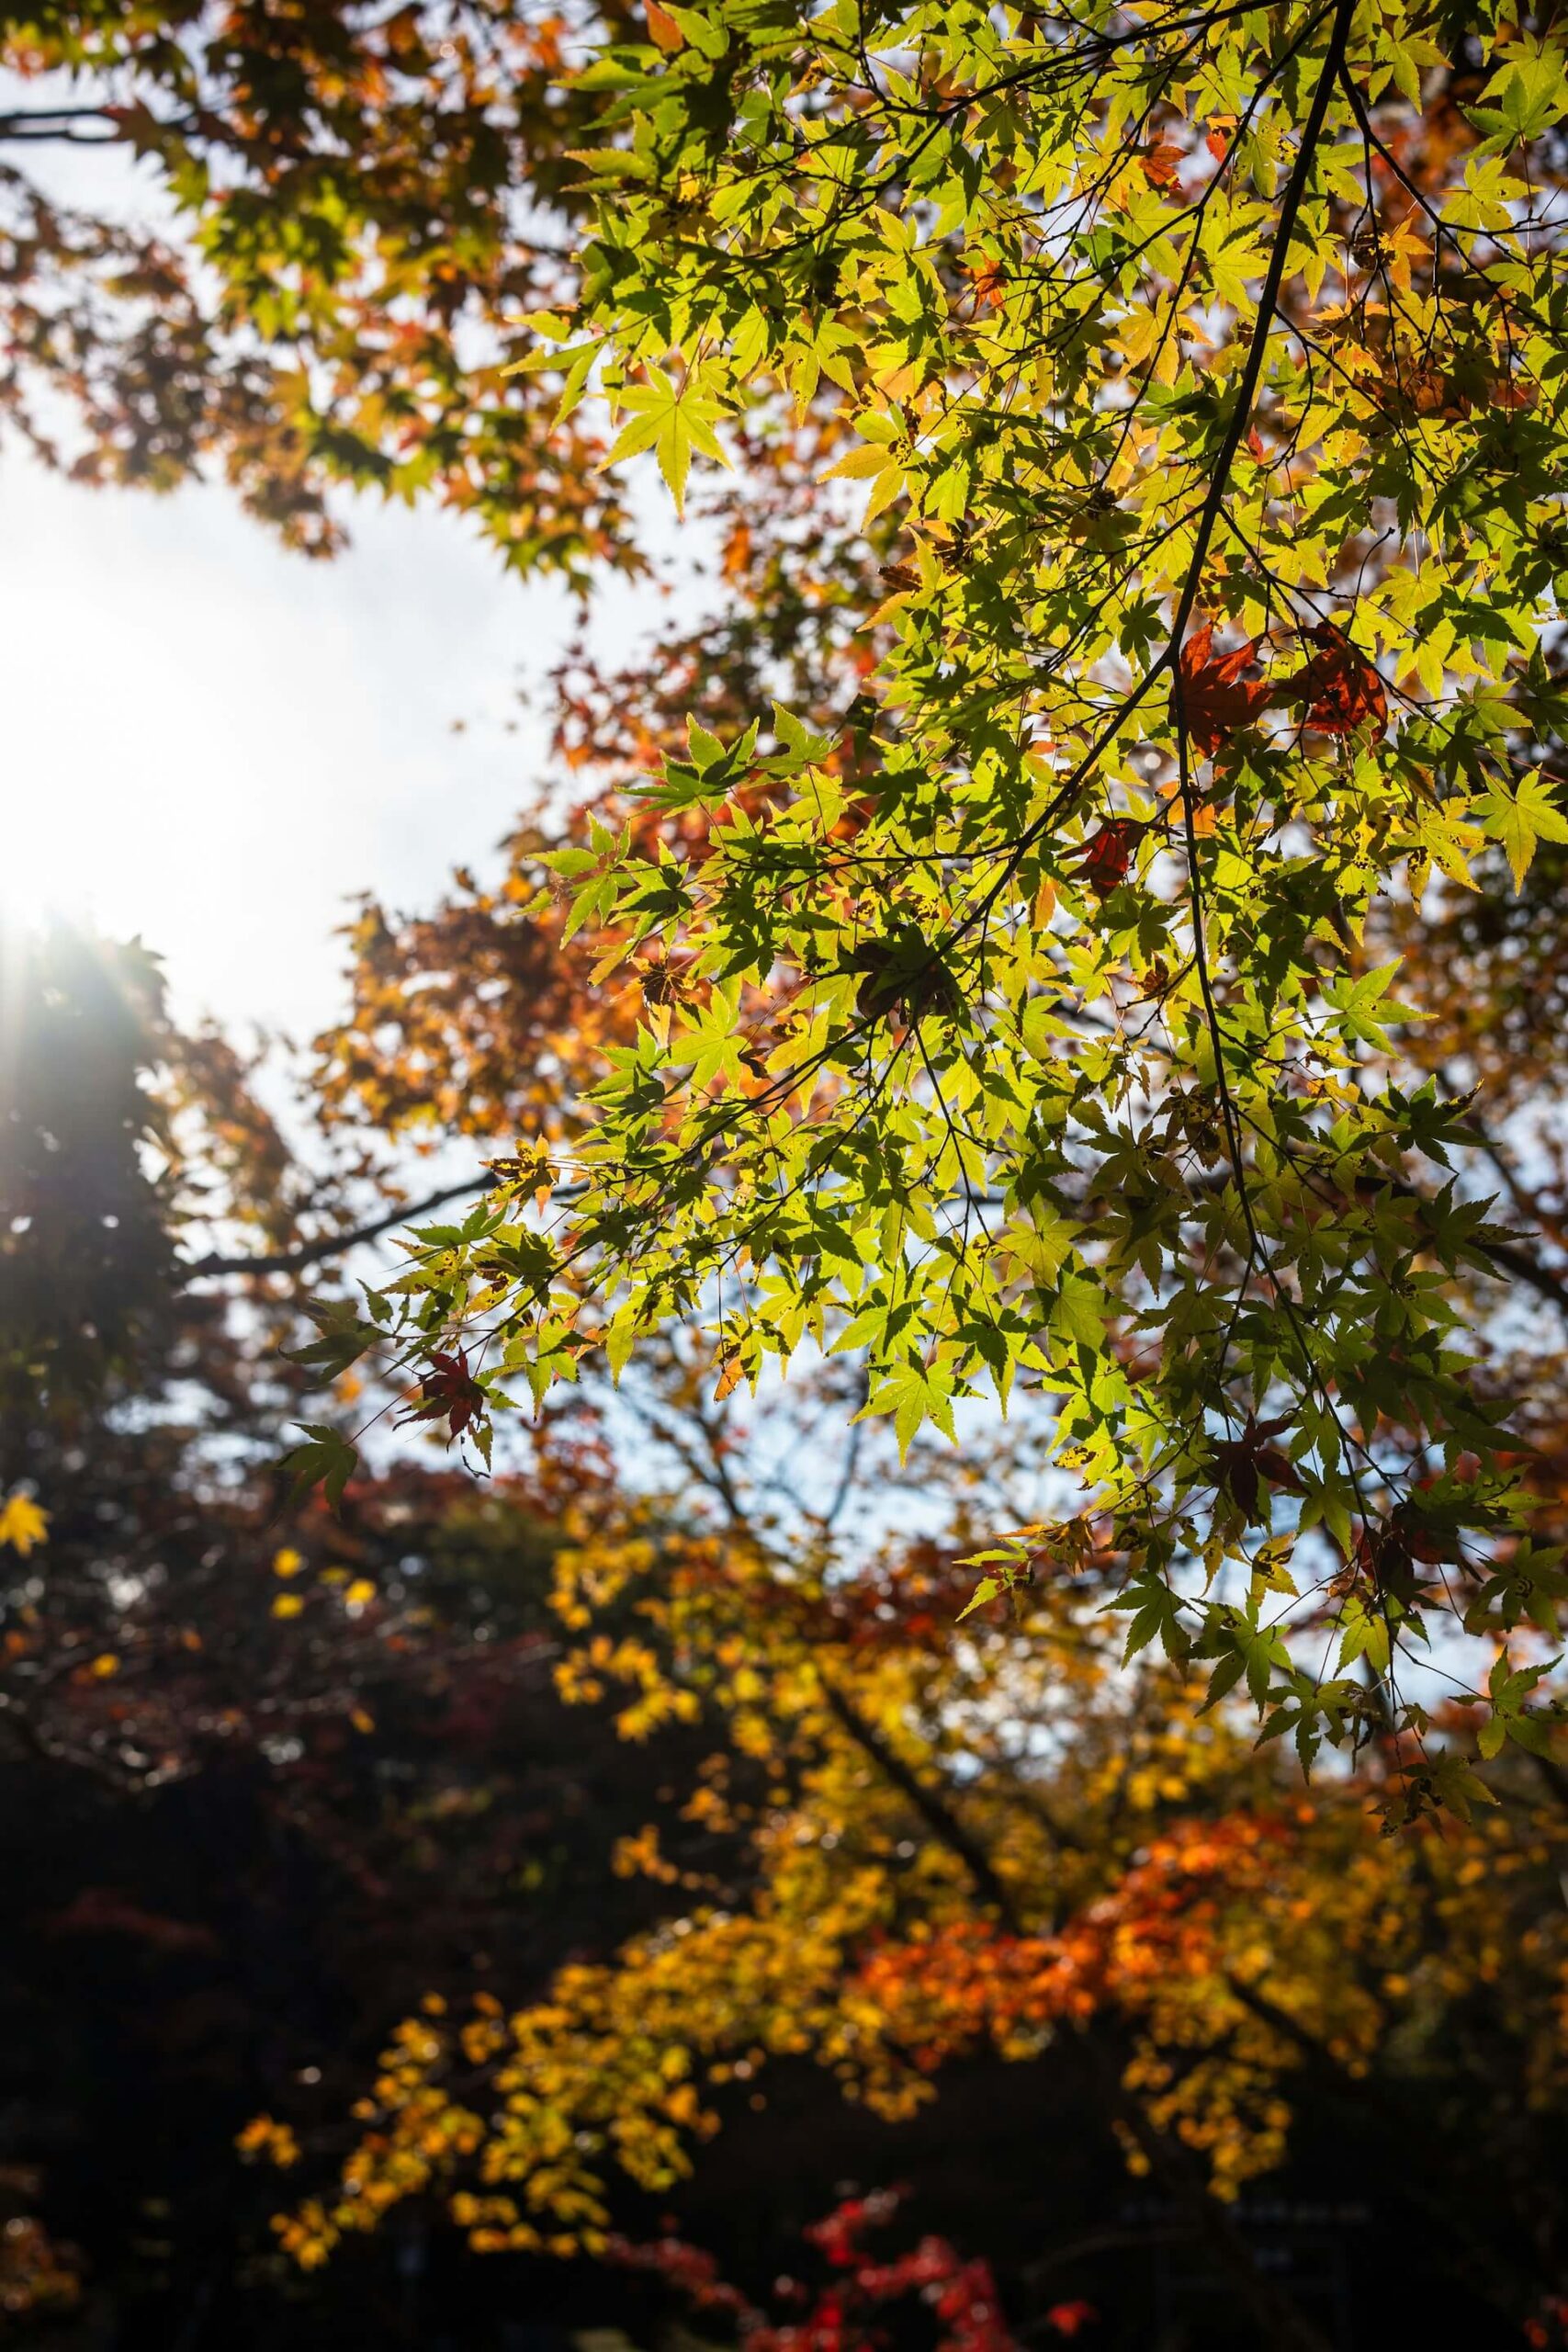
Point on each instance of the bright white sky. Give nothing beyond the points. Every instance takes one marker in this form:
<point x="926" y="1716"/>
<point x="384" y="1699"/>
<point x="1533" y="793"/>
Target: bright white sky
<point x="214" y="743"/>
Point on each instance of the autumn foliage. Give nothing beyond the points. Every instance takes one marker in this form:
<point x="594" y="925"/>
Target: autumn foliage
<point x="1053" y="942"/>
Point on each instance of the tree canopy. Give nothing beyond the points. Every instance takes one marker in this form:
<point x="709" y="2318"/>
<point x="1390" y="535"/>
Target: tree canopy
<point x="1016" y="1026"/>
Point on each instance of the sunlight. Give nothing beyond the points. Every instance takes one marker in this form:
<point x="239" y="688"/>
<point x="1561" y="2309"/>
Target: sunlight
<point x="53" y="866"/>
<point x="214" y="744"/>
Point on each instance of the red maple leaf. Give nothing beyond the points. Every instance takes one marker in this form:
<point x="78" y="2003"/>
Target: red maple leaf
<point x="1339" y="685"/>
<point x="1215" y="698"/>
<point x="1243" y="1463"/>
<point x="1107" y="853"/>
<point x="449" y="1392"/>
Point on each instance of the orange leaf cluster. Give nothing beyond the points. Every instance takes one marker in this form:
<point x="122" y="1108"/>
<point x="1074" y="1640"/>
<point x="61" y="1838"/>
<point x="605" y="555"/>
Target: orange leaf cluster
<point x="972" y="1982"/>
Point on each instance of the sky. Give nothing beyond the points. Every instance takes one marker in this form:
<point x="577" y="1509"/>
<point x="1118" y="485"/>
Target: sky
<point x="214" y="743"/>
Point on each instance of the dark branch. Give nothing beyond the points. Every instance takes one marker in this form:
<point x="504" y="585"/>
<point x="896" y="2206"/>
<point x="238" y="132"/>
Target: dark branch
<point x="332" y="1244"/>
<point x="56" y="114"/>
<point x="57" y="122"/>
<point x="933" y="1810"/>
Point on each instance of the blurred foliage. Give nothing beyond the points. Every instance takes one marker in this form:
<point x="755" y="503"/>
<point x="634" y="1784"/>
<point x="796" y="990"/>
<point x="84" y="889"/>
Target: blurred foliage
<point x="653" y="1782"/>
<point x="360" y="209"/>
<point x="84" y="1247"/>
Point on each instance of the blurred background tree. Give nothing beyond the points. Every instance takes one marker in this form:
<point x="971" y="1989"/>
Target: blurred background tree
<point x="354" y="209"/>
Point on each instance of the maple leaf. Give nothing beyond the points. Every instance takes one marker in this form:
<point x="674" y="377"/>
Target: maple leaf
<point x="22" y="1523"/>
<point x="1162" y="163"/>
<point x="1521" y="818"/>
<point x="1339" y="685"/>
<point x="1107" y="853"/>
<point x="666" y="32"/>
<point x="449" y="1392"/>
<point x="991" y="284"/>
<point x="326" y="1460"/>
<point x="1215" y="698"/>
<point x="671" y="419"/>
<point x="1241" y="1464"/>
<point x="904" y="974"/>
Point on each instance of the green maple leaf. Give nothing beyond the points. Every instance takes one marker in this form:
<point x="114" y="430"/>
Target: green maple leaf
<point x="671" y="419"/>
<point x="1519" y="819"/>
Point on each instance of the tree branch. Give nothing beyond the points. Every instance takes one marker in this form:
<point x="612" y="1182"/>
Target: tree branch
<point x="332" y="1244"/>
<point x="56" y="122"/>
<point x="933" y="1810"/>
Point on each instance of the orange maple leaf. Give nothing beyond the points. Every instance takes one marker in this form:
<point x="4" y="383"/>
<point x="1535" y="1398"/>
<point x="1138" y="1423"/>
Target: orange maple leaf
<point x="666" y="32"/>
<point x="1215" y="698"/>
<point x="1340" y="687"/>
<point x="1107" y="856"/>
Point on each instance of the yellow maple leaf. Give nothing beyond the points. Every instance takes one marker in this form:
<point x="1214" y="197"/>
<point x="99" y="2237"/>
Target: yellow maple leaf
<point x="22" y="1523"/>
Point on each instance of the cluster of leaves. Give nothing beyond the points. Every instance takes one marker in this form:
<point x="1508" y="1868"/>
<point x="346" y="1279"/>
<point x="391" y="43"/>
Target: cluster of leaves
<point x="1208" y="371"/>
<point x="1009" y="1007"/>
<point x="84" y="1250"/>
<point x="963" y="2295"/>
<point x="358" y="209"/>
